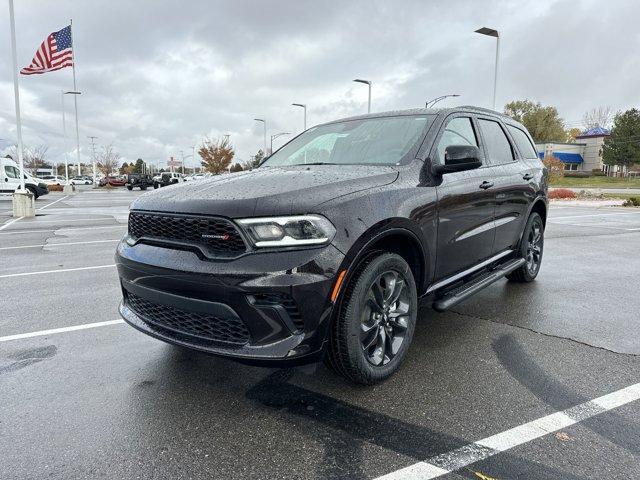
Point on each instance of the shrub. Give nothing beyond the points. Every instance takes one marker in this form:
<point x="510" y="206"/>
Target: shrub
<point x="555" y="167"/>
<point x="596" y="172"/>
<point x="632" y="202"/>
<point x="54" y="188"/>
<point x="562" y="193"/>
<point x="575" y="174"/>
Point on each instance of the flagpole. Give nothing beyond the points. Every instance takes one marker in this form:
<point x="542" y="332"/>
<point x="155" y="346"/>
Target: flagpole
<point x="75" y="97"/>
<point x="16" y="91"/>
<point x="64" y="135"/>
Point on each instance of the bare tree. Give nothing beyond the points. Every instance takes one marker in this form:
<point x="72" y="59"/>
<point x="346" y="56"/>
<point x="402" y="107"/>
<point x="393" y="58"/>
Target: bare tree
<point x="597" y="117"/>
<point x="33" y="157"/>
<point x="108" y="160"/>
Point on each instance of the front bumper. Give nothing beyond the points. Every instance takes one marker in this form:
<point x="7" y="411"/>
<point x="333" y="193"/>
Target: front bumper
<point x="267" y="308"/>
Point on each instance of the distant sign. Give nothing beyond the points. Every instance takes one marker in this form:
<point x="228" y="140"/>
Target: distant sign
<point x="173" y="162"/>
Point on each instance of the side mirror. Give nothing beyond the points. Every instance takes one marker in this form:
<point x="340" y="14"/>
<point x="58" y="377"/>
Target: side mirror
<point x="458" y="158"/>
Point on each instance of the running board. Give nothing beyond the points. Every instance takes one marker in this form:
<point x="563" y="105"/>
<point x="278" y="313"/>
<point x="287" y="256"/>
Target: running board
<point x="465" y="291"/>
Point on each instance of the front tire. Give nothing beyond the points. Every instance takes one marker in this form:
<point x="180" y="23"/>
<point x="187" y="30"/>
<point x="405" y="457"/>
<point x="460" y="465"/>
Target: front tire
<point x="531" y="249"/>
<point x="375" y="322"/>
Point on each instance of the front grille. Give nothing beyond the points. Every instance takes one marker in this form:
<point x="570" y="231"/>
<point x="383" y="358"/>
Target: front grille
<point x="289" y="304"/>
<point x="219" y="237"/>
<point x="208" y="327"/>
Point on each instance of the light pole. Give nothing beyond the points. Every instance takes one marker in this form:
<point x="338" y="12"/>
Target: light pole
<point x="302" y="105"/>
<point x="491" y="32"/>
<point x="433" y="101"/>
<point x="93" y="151"/>
<point x="193" y="147"/>
<point x="74" y="92"/>
<point x="265" y="133"/>
<point x="366" y="82"/>
<point x="276" y="135"/>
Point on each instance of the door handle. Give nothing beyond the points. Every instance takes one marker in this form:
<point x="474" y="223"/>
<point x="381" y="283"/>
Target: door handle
<point x="484" y="185"/>
<point x="527" y="176"/>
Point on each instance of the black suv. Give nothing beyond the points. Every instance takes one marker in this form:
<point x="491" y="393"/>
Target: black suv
<point x="324" y="250"/>
<point x="140" y="180"/>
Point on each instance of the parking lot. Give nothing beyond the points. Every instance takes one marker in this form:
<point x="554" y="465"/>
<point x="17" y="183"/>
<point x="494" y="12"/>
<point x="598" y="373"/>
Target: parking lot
<point x="83" y="395"/>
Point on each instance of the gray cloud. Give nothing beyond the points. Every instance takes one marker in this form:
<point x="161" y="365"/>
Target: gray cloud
<point x="158" y="76"/>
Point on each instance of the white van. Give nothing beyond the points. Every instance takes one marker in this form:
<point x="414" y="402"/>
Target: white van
<point x="10" y="179"/>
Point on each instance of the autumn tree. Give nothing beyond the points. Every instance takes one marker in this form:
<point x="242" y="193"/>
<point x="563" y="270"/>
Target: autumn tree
<point x="622" y="146"/>
<point x="544" y="123"/>
<point x="555" y="166"/>
<point x="597" y="117"/>
<point x="572" y="133"/>
<point x="123" y="168"/>
<point x="216" y="156"/>
<point x="108" y="160"/>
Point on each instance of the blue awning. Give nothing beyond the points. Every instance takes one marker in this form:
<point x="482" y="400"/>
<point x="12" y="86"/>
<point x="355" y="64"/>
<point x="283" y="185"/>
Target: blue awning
<point x="565" y="157"/>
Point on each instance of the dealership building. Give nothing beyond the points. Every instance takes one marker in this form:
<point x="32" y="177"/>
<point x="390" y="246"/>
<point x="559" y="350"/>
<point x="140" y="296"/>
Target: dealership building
<point x="584" y="155"/>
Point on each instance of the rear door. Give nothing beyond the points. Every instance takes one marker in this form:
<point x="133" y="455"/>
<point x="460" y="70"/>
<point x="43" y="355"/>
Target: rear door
<point x="465" y="203"/>
<point x="511" y="190"/>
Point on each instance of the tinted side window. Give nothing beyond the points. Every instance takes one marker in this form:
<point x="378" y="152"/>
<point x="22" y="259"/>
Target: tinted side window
<point x="523" y="142"/>
<point x="459" y="131"/>
<point x="498" y="146"/>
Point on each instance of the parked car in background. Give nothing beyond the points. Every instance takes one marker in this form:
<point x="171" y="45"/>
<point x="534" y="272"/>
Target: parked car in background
<point x="139" y="180"/>
<point x="115" y="181"/>
<point x="271" y="266"/>
<point x="81" y="180"/>
<point x="168" y="178"/>
<point x="10" y="179"/>
<point x="54" y="180"/>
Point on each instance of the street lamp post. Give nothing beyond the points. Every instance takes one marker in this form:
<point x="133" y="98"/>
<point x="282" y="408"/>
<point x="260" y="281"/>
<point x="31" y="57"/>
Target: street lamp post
<point x="433" y="101"/>
<point x="302" y="105"/>
<point x="93" y="150"/>
<point x="366" y="82"/>
<point x="64" y="135"/>
<point x="491" y="32"/>
<point x="276" y="135"/>
<point x="264" y="121"/>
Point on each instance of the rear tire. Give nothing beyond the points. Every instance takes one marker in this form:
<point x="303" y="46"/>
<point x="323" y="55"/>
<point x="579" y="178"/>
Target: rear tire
<point x="375" y="322"/>
<point x="155" y="185"/>
<point x="531" y="249"/>
<point x="129" y="188"/>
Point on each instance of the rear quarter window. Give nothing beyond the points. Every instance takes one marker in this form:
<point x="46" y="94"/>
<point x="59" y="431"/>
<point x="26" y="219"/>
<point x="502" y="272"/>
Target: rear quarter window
<point x="523" y="142"/>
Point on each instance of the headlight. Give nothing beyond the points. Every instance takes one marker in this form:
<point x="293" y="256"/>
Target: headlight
<point x="288" y="231"/>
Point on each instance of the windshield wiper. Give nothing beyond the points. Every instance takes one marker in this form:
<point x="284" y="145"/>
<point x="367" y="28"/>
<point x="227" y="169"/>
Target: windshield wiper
<point x="319" y="163"/>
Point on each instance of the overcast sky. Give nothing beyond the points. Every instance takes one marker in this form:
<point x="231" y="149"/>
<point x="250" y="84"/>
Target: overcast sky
<point x="156" y="76"/>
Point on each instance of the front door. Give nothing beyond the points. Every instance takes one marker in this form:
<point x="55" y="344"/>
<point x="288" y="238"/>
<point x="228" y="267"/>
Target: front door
<point x="10" y="178"/>
<point x="466" y="203"/>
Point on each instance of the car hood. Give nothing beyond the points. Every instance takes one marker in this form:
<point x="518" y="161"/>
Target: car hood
<point x="266" y="190"/>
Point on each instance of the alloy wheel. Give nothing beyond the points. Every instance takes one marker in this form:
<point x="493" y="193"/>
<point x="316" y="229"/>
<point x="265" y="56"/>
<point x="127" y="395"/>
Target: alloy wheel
<point x="385" y="317"/>
<point x="534" y="247"/>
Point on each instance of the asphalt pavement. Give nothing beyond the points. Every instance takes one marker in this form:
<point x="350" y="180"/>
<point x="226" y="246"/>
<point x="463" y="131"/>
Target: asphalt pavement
<point x="536" y="381"/>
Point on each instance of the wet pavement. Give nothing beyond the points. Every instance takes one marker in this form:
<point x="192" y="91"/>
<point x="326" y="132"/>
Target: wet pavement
<point x="109" y="402"/>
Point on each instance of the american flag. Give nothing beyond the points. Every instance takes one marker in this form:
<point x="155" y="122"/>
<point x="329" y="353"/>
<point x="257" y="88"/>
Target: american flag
<point x="55" y="52"/>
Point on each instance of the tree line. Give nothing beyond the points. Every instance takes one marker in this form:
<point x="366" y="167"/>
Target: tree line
<point x="621" y="147"/>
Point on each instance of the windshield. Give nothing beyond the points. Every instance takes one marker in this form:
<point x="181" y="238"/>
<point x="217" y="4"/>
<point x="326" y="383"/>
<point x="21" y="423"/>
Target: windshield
<point x="369" y="141"/>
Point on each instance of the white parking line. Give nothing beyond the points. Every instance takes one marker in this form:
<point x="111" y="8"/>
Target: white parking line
<point x="61" y="229"/>
<point x="52" y="331"/>
<point x="5" y="225"/>
<point x="43" y="272"/>
<point x="57" y="244"/>
<point x="49" y="204"/>
<point x="38" y="221"/>
<point x="595" y="215"/>
<point x="493" y="445"/>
